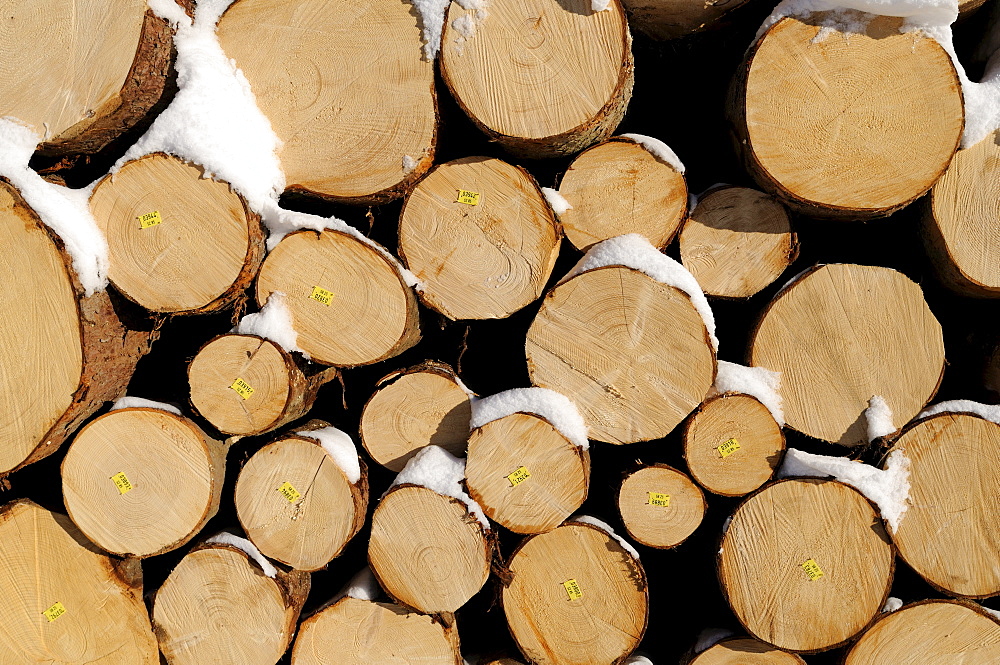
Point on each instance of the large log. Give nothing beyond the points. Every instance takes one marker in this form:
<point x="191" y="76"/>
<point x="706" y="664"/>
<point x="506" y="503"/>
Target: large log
<point x="744" y="651"/>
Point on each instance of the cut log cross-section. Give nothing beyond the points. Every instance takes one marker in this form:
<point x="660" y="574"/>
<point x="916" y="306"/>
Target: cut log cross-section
<point x="660" y="506"/>
<point x="744" y="651"/>
<point x="671" y="19"/>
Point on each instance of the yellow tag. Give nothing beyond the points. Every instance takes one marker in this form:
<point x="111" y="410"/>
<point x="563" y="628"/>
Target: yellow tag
<point x="573" y="589"/>
<point x="321" y="295"/>
<point x="150" y="219"/>
<point x="657" y="499"/>
<point x="242" y="388"/>
<point x="289" y="492"/>
<point x="468" y="198"/>
<point x="54" y="612"/>
<point x="121" y="482"/>
<point x="812" y="570"/>
<point x="729" y="447"/>
<point x="519" y="476"/>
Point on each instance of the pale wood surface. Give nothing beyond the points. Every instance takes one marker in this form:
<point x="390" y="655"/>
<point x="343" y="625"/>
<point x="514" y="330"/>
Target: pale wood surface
<point x="655" y="525"/>
<point x="842" y="333"/>
<point x="670" y="19"/>
<point x="745" y="651"/>
<point x="633" y="352"/>
<point x="776" y="531"/>
<point x="619" y="187"/>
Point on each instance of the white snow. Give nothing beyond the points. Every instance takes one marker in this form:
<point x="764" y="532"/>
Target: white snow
<point x="409" y="163"/>
<point x="889" y="489"/>
<point x="432" y="13"/>
<point x="710" y="637"/>
<point x="63" y="210"/>
<point x="465" y="25"/>
<point x="994" y="613"/>
<point x="990" y="412"/>
<point x="758" y="382"/>
<point x="340" y="447"/>
<point x="878" y="415"/>
<point x="891" y="604"/>
<point x="273" y="322"/>
<point x="556" y="201"/>
<point x="600" y="5"/>
<point x="634" y="251"/>
<point x="363" y="586"/>
<point x="638" y="660"/>
<point x="139" y="402"/>
<point x="657" y="148"/>
<point x="226" y="538"/>
<point x="604" y="526"/>
<point x="554" y="407"/>
<point x="438" y="470"/>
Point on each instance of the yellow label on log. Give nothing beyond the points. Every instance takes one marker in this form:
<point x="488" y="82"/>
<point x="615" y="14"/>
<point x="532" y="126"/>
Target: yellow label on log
<point x="321" y="295"/>
<point x="150" y="219"/>
<point x="289" y="492"/>
<point x="812" y="570"/>
<point x="242" y="388"/>
<point x="657" y="499"/>
<point x="519" y="475"/>
<point x="467" y="197"/>
<point x="573" y="589"/>
<point x="729" y="447"/>
<point x="121" y="482"/>
<point x="54" y="612"/>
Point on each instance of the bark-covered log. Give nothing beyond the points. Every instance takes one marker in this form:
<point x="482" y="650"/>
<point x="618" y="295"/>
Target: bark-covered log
<point x="671" y="19"/>
<point x="660" y="506"/>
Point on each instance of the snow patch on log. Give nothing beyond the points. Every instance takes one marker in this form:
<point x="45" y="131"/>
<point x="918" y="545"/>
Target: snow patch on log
<point x="604" y="526"/>
<point x="657" y="148"/>
<point x="891" y="604"/>
<point x="878" y="415"/>
<point x="554" y="407"/>
<point x="758" y="382"/>
<point x="990" y="412"/>
<point x="638" y="660"/>
<point x="889" y="489"/>
<point x="634" y="251"/>
<point x="710" y="637"/>
<point x="362" y="586"/>
<point x="600" y="5"/>
<point x="340" y="447"/>
<point x="432" y="14"/>
<point x="226" y="538"/>
<point x="273" y="322"/>
<point x="438" y="470"/>
<point x="556" y="201"/>
<point x="139" y="402"/>
<point x="994" y="613"/>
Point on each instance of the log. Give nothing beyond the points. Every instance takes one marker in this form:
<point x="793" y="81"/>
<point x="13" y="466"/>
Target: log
<point x="930" y="632"/>
<point x="501" y="71"/>
<point x="359" y="632"/>
<point x="947" y="533"/>
<point x="348" y="301"/>
<point x="218" y="607"/>
<point x="660" y="506"/>
<point x="89" y="353"/>
<point x="328" y="92"/>
<point x="282" y="387"/>
<point x="564" y="583"/>
<point x="672" y="19"/>
<point x="791" y="555"/>
<point x="959" y="220"/>
<point x="64" y="601"/>
<point x="808" y="138"/>
<point x="737" y="241"/>
<point x="481" y="254"/>
<point x="142" y="481"/>
<point x="423" y="405"/>
<point x="732" y="444"/>
<point x="526" y="475"/>
<point x="297" y="504"/>
<point x="745" y="651"/>
<point x="618" y="187"/>
<point x="841" y="334"/>
<point x="178" y="242"/>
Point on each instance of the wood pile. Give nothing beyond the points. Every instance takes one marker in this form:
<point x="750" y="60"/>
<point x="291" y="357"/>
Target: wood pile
<point x="499" y="332"/>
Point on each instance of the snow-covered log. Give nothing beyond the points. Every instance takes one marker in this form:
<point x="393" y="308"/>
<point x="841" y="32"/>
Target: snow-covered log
<point x="660" y="506"/>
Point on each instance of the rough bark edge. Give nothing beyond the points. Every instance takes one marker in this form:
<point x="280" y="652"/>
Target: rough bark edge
<point x="507" y="576"/>
<point x="690" y="657"/>
<point x="893" y="553"/>
<point x="645" y="21"/>
<point x="583" y="455"/>
<point x="689" y="422"/>
<point x="735" y="111"/>
<point x="601" y="126"/>
<point x="945" y="266"/>
<point x="546" y="266"/>
<point x="660" y="465"/>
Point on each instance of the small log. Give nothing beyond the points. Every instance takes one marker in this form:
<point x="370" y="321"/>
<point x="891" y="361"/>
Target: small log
<point x="791" y="555"/>
<point x="364" y="632"/>
<point x="282" y="387"/>
<point x="525" y="474"/>
<point x="219" y="607"/>
<point x="842" y="333"/>
<point x="499" y="68"/>
<point x="416" y="407"/>
<point x="732" y="444"/>
<point x="930" y="632"/>
<point x="744" y="651"/>
<point x="141" y="481"/>
<point x="807" y="137"/>
<point x="948" y="532"/>
<point x="671" y="19"/>
<point x="480" y="254"/>
<point x="660" y="506"/>
<point x="64" y="601"/>
<point x="563" y="584"/>
<point x="737" y="241"/>
<point x="89" y="353"/>
<point x="620" y="187"/>
<point x="327" y="92"/>
<point x="296" y="504"/>
<point x="178" y="242"/>
<point x="348" y="301"/>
